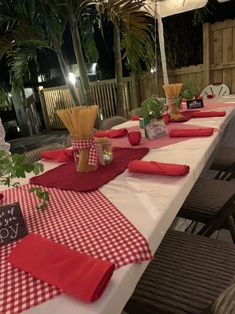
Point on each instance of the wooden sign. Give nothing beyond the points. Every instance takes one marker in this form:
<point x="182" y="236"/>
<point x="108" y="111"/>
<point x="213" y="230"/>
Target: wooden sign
<point x="12" y="225"/>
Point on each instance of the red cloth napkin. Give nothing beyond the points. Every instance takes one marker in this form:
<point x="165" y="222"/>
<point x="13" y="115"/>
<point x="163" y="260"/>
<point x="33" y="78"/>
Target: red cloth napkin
<point x="205" y="114"/>
<point x="191" y="132"/>
<point x="158" y="168"/>
<point x="1" y="196"/>
<point x="111" y="133"/>
<point x="60" y="155"/>
<point x="77" y="274"/>
<point x="65" y="176"/>
<point x="135" y="117"/>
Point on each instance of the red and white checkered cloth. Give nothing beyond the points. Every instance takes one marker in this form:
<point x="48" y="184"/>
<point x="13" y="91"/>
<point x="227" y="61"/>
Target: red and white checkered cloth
<point x="87" y="144"/>
<point x="87" y="222"/>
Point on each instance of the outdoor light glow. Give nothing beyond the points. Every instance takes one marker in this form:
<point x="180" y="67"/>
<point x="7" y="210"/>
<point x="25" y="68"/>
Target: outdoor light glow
<point x="72" y="78"/>
<point x="9" y="94"/>
<point x="94" y="67"/>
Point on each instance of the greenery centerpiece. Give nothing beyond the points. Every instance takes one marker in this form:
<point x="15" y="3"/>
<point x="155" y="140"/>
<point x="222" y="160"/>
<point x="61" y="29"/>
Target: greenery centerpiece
<point x="13" y="166"/>
<point x="152" y="108"/>
<point x="189" y="91"/>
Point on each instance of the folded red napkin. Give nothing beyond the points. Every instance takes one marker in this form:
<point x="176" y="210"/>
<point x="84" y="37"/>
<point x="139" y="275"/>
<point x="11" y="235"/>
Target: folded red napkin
<point x="135" y="117"/>
<point x="158" y="168"/>
<point x="205" y="114"/>
<point x="191" y="132"/>
<point x="60" y="155"/>
<point x="1" y="196"/>
<point x="77" y="274"/>
<point x="111" y="133"/>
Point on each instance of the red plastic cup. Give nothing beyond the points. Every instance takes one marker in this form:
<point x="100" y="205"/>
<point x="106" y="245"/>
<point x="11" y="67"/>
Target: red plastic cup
<point x="134" y="138"/>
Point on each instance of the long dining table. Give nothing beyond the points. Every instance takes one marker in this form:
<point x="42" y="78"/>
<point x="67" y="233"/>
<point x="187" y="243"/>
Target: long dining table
<point x="150" y="203"/>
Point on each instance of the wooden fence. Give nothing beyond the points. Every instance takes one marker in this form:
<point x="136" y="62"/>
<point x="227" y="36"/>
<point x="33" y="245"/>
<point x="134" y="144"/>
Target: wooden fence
<point x="218" y="66"/>
<point x="104" y="93"/>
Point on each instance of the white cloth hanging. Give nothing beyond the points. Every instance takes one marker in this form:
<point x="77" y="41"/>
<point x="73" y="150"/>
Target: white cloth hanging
<point x="3" y="144"/>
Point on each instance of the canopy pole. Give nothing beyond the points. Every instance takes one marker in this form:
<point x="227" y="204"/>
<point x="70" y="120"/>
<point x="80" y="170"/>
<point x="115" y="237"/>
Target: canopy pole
<point x="162" y="44"/>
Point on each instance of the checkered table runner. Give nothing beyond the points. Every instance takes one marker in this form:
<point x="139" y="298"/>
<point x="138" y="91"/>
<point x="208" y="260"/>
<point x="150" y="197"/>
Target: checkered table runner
<point x="87" y="222"/>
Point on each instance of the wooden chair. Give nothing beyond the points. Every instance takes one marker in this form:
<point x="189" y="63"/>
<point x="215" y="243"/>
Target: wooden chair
<point x="35" y="154"/>
<point x="216" y="89"/>
<point x="211" y="202"/>
<point x="110" y="122"/>
<point x="187" y="275"/>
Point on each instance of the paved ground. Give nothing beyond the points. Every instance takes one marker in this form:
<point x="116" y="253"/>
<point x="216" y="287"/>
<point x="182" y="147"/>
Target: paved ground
<point x="22" y="144"/>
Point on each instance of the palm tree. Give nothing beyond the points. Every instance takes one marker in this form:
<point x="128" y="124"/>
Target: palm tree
<point x="69" y="11"/>
<point x="33" y="25"/>
<point x="131" y="34"/>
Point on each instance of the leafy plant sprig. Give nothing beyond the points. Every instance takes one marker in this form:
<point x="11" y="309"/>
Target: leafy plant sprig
<point x="189" y="91"/>
<point x="152" y="108"/>
<point x="15" y="166"/>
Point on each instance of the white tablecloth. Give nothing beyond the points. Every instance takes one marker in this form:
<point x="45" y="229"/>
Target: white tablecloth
<point x="151" y="203"/>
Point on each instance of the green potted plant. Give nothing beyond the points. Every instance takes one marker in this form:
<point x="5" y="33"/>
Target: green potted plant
<point x="151" y="111"/>
<point x="189" y="92"/>
<point x="13" y="166"/>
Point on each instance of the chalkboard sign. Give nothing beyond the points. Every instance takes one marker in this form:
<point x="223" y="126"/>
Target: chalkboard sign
<point x="12" y="225"/>
<point x="195" y="103"/>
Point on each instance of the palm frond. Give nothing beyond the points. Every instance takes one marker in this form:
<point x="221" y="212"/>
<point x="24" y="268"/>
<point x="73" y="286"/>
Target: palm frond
<point x="5" y="102"/>
<point x="18" y="62"/>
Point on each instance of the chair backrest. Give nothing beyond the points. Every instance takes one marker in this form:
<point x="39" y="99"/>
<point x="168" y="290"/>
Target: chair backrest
<point x="110" y="122"/>
<point x="67" y="141"/>
<point x="216" y="89"/>
<point x="223" y="217"/>
<point x="35" y="154"/>
<point x="135" y="111"/>
<point x="224" y="303"/>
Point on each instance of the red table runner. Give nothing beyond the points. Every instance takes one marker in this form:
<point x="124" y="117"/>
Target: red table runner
<point x="158" y="142"/>
<point x="86" y="222"/>
<point x="67" y="178"/>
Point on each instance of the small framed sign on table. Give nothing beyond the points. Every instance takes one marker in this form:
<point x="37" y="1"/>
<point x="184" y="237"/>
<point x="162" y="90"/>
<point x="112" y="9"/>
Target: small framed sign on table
<point x="12" y="224"/>
<point x="195" y="103"/>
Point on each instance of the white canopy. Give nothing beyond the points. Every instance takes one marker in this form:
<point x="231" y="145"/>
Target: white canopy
<point x="163" y="8"/>
<point x="171" y="7"/>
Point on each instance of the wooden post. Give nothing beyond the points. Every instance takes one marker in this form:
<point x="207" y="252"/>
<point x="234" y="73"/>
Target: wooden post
<point x="20" y="112"/>
<point x="44" y="107"/>
<point x="133" y="92"/>
<point x="206" y="54"/>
